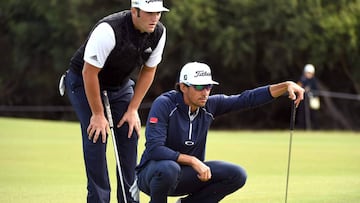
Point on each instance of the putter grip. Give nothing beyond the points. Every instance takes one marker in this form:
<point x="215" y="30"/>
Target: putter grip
<point x="293" y="114"/>
<point x="107" y="109"/>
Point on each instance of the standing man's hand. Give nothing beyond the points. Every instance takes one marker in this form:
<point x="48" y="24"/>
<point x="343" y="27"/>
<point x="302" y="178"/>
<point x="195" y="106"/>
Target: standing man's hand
<point x="133" y="120"/>
<point x="98" y="126"/>
<point x="131" y="116"/>
<point x="98" y="123"/>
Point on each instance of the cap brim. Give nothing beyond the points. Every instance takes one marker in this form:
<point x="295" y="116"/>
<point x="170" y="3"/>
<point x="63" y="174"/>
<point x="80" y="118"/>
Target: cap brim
<point x="158" y="9"/>
<point x="212" y="83"/>
<point x="204" y="83"/>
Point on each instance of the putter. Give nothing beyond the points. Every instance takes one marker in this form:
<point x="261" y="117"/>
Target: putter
<point x="111" y="124"/>
<point x="292" y="124"/>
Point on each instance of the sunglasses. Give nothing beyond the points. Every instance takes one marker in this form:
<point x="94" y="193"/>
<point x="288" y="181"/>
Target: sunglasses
<point x="200" y="87"/>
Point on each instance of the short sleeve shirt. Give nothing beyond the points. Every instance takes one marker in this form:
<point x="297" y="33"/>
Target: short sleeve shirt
<point x="102" y="41"/>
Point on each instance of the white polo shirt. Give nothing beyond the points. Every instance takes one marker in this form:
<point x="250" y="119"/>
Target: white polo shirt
<point x="102" y="41"/>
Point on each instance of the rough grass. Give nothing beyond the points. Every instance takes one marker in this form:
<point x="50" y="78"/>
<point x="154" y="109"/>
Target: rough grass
<point x="41" y="161"/>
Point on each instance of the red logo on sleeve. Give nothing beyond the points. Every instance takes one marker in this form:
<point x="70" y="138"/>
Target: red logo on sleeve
<point x="153" y="120"/>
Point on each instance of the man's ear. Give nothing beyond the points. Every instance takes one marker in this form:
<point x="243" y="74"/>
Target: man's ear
<point x="135" y="11"/>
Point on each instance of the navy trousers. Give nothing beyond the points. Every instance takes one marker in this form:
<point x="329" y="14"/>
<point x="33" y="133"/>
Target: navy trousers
<point x="160" y="179"/>
<point x="98" y="184"/>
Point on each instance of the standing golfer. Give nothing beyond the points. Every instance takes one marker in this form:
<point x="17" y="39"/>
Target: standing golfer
<point x="118" y="45"/>
<point x="307" y="111"/>
<point x="173" y="163"/>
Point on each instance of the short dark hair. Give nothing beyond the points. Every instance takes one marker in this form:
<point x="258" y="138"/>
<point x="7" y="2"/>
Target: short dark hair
<point x="177" y="87"/>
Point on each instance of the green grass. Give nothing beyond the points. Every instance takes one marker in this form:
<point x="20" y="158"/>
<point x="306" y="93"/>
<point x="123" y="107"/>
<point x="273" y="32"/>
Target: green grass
<point x="41" y="161"/>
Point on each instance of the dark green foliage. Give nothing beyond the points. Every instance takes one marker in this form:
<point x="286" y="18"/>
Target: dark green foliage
<point x="247" y="44"/>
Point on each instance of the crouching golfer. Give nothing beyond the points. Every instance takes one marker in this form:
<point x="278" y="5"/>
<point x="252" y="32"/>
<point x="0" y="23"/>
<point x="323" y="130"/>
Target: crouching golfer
<point x="173" y="163"/>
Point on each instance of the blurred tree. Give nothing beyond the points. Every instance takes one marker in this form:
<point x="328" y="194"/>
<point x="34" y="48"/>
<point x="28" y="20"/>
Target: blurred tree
<point x="247" y="44"/>
<point x="40" y="37"/>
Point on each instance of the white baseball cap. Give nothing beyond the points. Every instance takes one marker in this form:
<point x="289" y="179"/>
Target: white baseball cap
<point x="149" y="5"/>
<point x="309" y="68"/>
<point x="195" y="73"/>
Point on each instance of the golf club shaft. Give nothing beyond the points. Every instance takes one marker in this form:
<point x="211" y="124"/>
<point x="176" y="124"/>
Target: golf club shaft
<point x="111" y="124"/>
<point x="292" y="124"/>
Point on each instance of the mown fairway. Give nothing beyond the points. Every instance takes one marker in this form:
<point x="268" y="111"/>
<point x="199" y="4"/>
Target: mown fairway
<point x="41" y="161"/>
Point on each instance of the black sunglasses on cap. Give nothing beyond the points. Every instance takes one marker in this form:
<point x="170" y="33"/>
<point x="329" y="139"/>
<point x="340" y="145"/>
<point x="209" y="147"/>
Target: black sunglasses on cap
<point x="200" y="87"/>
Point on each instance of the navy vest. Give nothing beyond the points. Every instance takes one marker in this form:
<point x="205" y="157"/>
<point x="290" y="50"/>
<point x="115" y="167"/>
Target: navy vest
<point x="131" y="50"/>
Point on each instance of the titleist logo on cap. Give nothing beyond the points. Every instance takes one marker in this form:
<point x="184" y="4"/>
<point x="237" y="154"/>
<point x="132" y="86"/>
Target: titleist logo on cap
<point x="201" y="73"/>
<point x="151" y="1"/>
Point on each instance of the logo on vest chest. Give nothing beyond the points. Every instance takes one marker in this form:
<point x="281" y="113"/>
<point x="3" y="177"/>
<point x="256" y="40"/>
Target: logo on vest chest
<point x="148" y="50"/>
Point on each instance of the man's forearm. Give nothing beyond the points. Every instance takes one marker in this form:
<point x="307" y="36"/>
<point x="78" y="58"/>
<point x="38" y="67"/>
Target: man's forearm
<point x="92" y="88"/>
<point x="295" y="92"/>
<point x="185" y="159"/>
<point x="278" y="89"/>
<point x="144" y="81"/>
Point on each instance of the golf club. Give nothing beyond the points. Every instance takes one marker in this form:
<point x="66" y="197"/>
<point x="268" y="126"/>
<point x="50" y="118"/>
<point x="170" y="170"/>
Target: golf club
<point x="292" y="123"/>
<point x="111" y="124"/>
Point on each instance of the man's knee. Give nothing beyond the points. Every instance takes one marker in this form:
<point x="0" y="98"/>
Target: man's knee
<point x="159" y="176"/>
<point x="241" y="176"/>
<point x="167" y="171"/>
<point x="232" y="174"/>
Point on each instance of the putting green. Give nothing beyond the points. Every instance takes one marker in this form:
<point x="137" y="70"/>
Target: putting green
<point x="41" y="161"/>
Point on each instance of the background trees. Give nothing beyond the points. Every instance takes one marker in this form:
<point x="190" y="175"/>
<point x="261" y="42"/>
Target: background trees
<point x="247" y="44"/>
